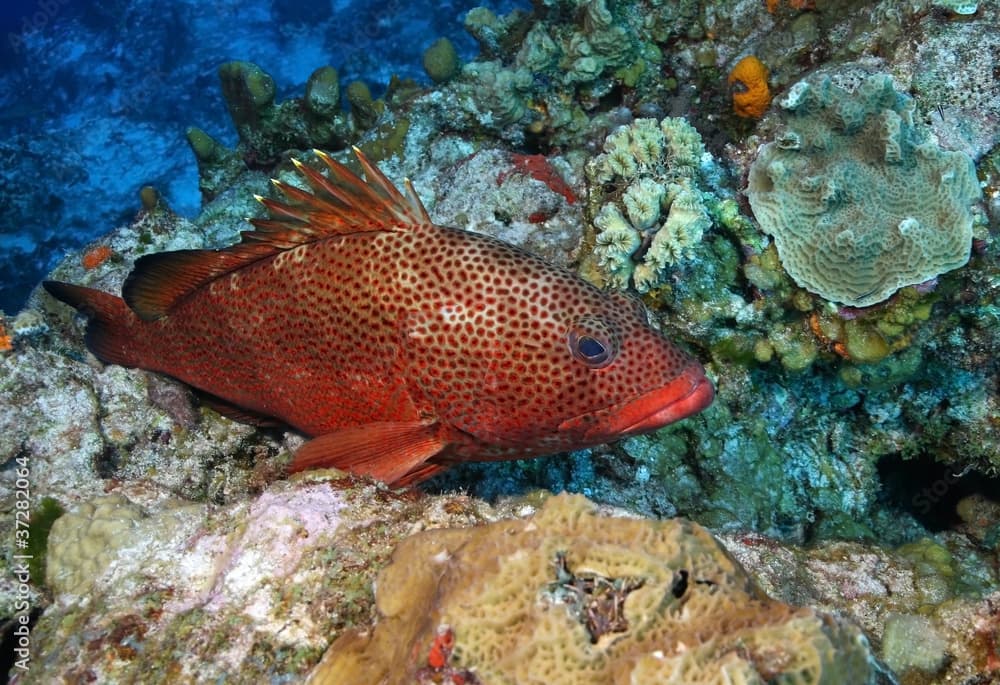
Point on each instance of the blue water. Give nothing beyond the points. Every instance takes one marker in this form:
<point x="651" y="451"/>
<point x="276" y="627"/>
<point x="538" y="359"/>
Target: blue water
<point x="95" y="98"/>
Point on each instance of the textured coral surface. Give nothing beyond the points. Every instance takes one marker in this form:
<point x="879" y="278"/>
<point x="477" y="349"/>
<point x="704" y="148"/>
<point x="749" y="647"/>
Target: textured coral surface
<point x="572" y="597"/>
<point x="859" y="203"/>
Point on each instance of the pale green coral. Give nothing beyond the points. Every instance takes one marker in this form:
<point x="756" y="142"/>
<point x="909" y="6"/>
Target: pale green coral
<point x="910" y="641"/>
<point x="660" y="163"/>
<point x="616" y="242"/>
<point x="684" y="145"/>
<point x="538" y="52"/>
<point x="499" y="92"/>
<point x="642" y="202"/>
<point x="587" y="51"/>
<point x="80" y="542"/>
<point x="685" y="225"/>
<point x="859" y="201"/>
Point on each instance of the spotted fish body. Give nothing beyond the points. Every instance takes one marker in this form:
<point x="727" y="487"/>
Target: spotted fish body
<point x="398" y="345"/>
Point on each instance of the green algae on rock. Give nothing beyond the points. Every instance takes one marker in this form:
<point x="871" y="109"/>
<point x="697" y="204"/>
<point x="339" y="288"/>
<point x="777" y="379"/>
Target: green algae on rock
<point x="42" y="520"/>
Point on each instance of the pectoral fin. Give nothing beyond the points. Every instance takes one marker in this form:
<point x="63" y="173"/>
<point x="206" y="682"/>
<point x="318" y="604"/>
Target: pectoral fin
<point x="386" y="451"/>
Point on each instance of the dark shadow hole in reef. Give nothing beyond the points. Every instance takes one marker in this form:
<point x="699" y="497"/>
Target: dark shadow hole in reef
<point x="930" y="491"/>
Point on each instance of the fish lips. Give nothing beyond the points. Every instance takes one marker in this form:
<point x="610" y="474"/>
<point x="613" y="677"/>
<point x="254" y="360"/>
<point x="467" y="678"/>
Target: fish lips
<point x="687" y="394"/>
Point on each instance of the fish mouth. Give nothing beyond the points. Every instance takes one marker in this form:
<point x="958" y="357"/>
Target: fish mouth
<point x="687" y="394"/>
<point x="679" y="399"/>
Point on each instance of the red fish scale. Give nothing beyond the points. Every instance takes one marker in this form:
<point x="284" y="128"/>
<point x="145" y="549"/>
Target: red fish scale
<point x="429" y="323"/>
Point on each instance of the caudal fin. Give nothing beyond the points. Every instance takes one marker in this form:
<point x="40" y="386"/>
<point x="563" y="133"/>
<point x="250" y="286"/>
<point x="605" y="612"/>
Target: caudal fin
<point x="112" y="326"/>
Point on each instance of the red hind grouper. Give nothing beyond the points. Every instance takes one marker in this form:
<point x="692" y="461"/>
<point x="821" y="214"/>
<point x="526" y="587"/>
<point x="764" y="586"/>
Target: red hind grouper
<point x="399" y="346"/>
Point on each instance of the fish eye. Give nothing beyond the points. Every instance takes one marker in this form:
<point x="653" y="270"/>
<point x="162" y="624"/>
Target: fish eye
<point x="593" y="342"/>
<point x="591" y="349"/>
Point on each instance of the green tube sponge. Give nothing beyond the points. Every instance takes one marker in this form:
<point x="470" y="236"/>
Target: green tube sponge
<point x="248" y="90"/>
<point x="323" y="92"/>
<point x="204" y="146"/>
<point x="366" y="109"/>
<point x="441" y="60"/>
<point x="259" y="84"/>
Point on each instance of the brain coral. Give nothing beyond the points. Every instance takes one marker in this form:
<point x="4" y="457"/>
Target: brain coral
<point x="859" y="203"/>
<point x="570" y="596"/>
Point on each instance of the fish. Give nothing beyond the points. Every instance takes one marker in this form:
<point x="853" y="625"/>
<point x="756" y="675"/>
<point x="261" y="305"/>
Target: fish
<point x="397" y="346"/>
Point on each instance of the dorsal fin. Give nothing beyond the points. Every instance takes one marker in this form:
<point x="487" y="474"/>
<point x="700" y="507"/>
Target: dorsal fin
<point x="338" y="205"/>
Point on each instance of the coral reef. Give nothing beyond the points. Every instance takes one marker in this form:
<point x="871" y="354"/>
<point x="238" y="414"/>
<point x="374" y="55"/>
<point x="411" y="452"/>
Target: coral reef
<point x="859" y="203"/>
<point x="259" y="588"/>
<point x="578" y="133"/>
<point x="934" y="623"/>
<point x="568" y="596"/>
<point x="500" y="194"/>
<point x="541" y="73"/>
<point x="659" y="166"/>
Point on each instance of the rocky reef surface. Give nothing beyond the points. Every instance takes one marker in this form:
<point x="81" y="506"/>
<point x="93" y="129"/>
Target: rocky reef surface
<point x="849" y="464"/>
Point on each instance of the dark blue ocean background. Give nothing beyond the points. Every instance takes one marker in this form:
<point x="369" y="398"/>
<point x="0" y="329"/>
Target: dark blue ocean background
<point x="95" y="98"/>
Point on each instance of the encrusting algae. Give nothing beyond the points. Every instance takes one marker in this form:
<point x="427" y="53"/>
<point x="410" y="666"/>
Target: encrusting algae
<point x="94" y="257"/>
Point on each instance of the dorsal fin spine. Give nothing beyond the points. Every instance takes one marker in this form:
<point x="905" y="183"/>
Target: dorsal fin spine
<point x="364" y="209"/>
<point x="340" y="205"/>
<point x="375" y="177"/>
<point x="415" y="203"/>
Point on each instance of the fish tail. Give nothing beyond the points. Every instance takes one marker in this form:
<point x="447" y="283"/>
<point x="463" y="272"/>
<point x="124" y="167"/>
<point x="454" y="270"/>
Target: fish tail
<point x="111" y="331"/>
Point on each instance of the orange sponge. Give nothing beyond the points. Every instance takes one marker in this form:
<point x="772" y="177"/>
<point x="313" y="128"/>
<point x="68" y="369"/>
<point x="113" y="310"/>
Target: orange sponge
<point x="96" y="256"/>
<point x="751" y="95"/>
